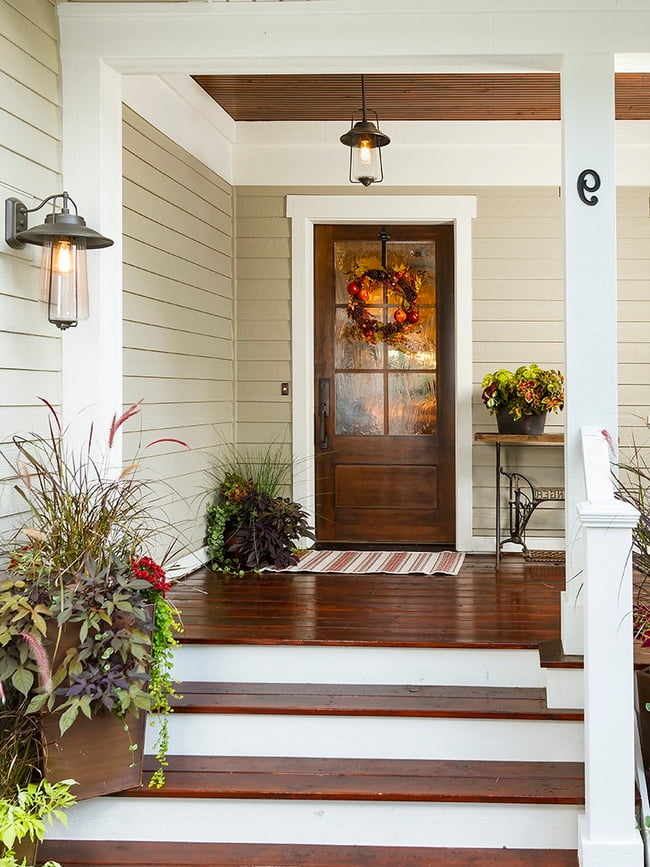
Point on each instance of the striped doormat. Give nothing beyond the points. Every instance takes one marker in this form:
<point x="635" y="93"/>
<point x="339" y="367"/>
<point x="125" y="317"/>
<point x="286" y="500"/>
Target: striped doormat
<point x="391" y="562"/>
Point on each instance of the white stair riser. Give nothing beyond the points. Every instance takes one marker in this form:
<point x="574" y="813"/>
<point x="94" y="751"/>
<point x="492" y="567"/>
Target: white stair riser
<point x="325" y="822"/>
<point x="565" y="687"/>
<point x="359" y="665"/>
<point x="372" y="737"/>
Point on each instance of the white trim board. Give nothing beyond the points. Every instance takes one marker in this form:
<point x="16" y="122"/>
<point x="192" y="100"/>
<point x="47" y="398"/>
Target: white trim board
<point x="307" y="211"/>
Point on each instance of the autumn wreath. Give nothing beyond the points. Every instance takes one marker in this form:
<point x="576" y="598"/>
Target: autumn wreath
<point x="402" y="285"/>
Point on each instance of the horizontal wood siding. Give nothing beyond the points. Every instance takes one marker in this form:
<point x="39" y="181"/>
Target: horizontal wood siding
<point x="178" y="319"/>
<point x="518" y="306"/>
<point x="30" y="144"/>
<point x="263" y="269"/>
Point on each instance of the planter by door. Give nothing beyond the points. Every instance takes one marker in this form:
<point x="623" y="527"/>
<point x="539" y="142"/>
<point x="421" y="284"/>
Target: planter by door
<point x="527" y="424"/>
<point x="94" y="752"/>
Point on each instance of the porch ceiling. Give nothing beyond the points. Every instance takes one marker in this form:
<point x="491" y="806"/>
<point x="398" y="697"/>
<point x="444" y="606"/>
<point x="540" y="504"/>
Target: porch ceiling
<point x="410" y="97"/>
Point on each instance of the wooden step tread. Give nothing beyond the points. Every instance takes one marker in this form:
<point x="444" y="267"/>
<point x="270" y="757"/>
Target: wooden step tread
<point x="478" y="702"/>
<point x="75" y="853"/>
<point x="428" y="780"/>
<point x="552" y="655"/>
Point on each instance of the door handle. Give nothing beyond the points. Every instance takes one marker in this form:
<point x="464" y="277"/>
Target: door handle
<point x="323" y="411"/>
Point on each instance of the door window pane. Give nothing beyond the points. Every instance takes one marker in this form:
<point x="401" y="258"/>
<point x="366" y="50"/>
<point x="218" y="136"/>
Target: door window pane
<point x="420" y="256"/>
<point x="420" y="345"/>
<point x="412" y="404"/>
<point x="359" y="404"/>
<point x="352" y="352"/>
<point x="347" y="256"/>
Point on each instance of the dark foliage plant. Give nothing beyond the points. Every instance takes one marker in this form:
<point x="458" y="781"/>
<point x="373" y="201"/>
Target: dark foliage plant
<point x="266" y="528"/>
<point x="250" y="525"/>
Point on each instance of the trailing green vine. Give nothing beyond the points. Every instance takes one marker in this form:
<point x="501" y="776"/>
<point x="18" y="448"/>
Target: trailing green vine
<point x="161" y="683"/>
<point x="218" y="516"/>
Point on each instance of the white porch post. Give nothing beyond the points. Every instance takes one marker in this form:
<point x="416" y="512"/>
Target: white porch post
<point x="92" y="174"/>
<point x="588" y="143"/>
<point x="608" y="834"/>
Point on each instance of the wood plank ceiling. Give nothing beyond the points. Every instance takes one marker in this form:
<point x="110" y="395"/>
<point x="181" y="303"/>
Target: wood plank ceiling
<point x="525" y="96"/>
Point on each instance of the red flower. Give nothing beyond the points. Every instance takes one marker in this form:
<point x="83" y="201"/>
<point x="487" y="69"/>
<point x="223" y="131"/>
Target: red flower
<point x="150" y="571"/>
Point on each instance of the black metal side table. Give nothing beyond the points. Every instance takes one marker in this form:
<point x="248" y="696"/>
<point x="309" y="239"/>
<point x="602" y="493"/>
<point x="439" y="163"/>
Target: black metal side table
<point x="524" y="496"/>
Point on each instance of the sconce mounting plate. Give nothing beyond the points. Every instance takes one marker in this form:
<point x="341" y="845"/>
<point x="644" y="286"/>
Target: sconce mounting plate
<point x="15" y="221"/>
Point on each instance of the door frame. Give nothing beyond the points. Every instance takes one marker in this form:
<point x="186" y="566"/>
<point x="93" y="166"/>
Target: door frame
<point x="306" y="211"/>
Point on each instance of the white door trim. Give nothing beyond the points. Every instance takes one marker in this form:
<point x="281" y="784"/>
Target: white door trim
<point x="305" y="212"/>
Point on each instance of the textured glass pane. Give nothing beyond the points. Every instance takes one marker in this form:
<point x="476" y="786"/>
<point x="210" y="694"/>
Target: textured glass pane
<point x="350" y="350"/>
<point x="349" y="254"/>
<point x="411" y="404"/>
<point x="420" y="256"/>
<point x="359" y="404"/>
<point x="420" y="345"/>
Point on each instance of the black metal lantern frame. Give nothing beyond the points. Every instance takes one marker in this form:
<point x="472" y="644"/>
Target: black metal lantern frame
<point x="365" y="140"/>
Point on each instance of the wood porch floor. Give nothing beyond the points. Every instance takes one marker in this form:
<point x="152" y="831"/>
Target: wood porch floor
<point x="516" y="607"/>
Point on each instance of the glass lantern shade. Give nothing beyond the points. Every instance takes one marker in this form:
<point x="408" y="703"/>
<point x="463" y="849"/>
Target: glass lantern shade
<point x="365" y="166"/>
<point x="64" y="281"/>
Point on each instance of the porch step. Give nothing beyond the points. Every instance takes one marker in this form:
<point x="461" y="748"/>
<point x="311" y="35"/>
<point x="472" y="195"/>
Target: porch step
<point x="354" y="664"/>
<point x="368" y="780"/>
<point x="478" y="702"/>
<point x="388" y="735"/>
<point x="74" y="853"/>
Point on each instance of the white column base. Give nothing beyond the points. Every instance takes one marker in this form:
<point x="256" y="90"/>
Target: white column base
<point x="606" y="853"/>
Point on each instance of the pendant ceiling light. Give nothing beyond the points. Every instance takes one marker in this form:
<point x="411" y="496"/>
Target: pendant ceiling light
<point x="365" y="140"/>
<point x="64" y="237"/>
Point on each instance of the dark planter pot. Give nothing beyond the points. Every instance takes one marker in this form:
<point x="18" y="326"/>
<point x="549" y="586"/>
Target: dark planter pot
<point x="94" y="752"/>
<point x="527" y="424"/>
<point x="234" y="542"/>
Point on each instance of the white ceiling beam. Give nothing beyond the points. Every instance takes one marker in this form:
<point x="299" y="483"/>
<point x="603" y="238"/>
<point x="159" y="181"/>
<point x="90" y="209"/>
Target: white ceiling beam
<point x="351" y="35"/>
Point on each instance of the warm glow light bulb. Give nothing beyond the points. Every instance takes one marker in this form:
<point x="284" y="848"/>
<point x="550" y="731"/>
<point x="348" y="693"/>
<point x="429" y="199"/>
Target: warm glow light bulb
<point x="62" y="256"/>
<point x="365" y="151"/>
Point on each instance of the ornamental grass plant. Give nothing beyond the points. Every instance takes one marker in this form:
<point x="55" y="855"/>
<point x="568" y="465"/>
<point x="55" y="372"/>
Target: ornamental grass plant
<point x="632" y="481"/>
<point x="85" y="627"/>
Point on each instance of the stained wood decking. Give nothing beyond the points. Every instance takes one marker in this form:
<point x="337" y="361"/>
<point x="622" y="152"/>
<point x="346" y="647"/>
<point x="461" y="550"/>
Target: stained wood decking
<point x="460" y="702"/>
<point x="416" y="780"/>
<point x="517" y="607"/>
<point x="123" y="854"/>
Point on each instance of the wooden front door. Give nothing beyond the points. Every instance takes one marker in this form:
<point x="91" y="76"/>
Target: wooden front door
<point x="384" y="411"/>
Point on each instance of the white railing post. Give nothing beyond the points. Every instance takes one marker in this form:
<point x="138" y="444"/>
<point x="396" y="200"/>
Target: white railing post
<point x="608" y="834"/>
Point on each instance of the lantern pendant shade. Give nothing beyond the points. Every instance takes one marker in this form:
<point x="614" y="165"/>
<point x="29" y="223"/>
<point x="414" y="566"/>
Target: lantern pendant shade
<point x="365" y="140"/>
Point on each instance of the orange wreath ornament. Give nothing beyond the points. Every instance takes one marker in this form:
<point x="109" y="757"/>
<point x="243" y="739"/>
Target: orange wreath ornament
<point x="403" y="285"/>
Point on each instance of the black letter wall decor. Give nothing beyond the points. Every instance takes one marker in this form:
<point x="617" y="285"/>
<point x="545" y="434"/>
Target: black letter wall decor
<point x="588" y="182"/>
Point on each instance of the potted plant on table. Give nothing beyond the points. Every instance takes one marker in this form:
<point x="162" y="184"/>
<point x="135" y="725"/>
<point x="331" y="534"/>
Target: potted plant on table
<point x="521" y="398"/>
<point x="250" y="526"/>
<point x="85" y="629"/>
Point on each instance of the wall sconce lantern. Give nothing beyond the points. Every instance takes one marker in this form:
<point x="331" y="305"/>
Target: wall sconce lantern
<point x="365" y="140"/>
<point x="64" y="237"/>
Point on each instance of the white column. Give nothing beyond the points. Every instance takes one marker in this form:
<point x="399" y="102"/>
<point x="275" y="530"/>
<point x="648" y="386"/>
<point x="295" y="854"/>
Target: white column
<point x="92" y="174"/>
<point x="588" y="143"/>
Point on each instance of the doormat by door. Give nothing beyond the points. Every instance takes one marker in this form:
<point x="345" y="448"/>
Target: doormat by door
<point x="391" y="562"/>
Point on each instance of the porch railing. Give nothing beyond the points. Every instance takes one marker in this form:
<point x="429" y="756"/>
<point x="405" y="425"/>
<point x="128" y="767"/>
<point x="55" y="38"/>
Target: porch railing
<point x="608" y="834"/>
